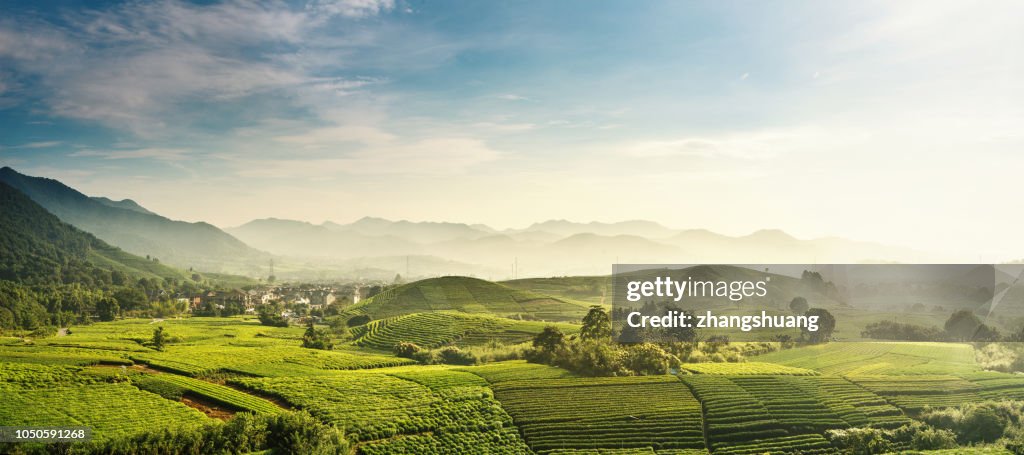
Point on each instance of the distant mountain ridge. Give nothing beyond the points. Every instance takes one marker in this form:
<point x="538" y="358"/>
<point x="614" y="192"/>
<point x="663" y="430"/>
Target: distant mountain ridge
<point x="554" y="247"/>
<point x="134" y="229"/>
<point x="376" y="247"/>
<point x="39" y="248"/>
<point x="123" y="204"/>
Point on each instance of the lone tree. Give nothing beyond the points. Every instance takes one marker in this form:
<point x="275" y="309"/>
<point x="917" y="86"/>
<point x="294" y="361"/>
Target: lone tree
<point x="159" y="338"/>
<point x="826" y="325"/>
<point x="596" y="324"/>
<point x="316" y="338"/>
<point x="798" y="305"/>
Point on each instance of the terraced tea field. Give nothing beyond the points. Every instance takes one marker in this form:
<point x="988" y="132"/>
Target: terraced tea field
<point x="862" y="358"/>
<point x="111" y="410"/>
<point x="777" y="403"/>
<point x="913" y="393"/>
<point x="402" y="408"/>
<point x="174" y="387"/>
<point x="603" y="413"/>
<point x="427" y="330"/>
<point x="736" y="422"/>
<point x="998" y="386"/>
<point x="281" y="360"/>
<point x="755" y="368"/>
<point x="516" y="370"/>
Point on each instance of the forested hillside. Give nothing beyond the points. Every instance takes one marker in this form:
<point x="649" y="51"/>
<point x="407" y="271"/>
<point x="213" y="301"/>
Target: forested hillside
<point x="133" y="229"/>
<point x="52" y="273"/>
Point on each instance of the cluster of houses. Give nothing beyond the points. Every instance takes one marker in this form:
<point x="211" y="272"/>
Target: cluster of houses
<point x="313" y="297"/>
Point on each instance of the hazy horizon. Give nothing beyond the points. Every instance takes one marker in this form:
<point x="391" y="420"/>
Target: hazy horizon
<point x="896" y="123"/>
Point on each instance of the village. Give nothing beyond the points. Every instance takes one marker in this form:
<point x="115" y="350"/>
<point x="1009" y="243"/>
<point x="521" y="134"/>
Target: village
<point x="299" y="300"/>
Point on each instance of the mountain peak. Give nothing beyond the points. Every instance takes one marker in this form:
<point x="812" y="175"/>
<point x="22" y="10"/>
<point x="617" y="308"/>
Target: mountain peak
<point x="771" y="235"/>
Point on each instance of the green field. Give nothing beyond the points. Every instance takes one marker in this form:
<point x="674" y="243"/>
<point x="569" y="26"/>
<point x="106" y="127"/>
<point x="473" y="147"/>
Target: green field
<point x="603" y="413"/>
<point x="107" y="376"/>
<point x="403" y="409"/>
<point x="867" y="358"/>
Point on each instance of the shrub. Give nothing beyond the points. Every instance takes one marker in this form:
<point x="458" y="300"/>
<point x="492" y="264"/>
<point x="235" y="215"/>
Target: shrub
<point x="860" y="441"/>
<point x="362" y="319"/>
<point x="406" y="349"/>
<point x="454" y="356"/>
<point x="933" y="439"/>
<point x="300" y="432"/>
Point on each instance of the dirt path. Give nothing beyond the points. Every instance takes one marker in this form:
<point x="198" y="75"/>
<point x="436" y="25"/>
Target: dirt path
<point x="206" y="407"/>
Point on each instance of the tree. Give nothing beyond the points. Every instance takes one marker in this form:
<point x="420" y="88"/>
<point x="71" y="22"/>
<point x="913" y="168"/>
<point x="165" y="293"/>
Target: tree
<point x="826" y="325"/>
<point x="549" y="339"/>
<point x="131" y="298"/>
<point x="982" y="424"/>
<point x="962" y="325"/>
<point x="271" y="315"/>
<point x="798" y="305"/>
<point x="107" y="309"/>
<point x="118" y="278"/>
<point x="159" y="338"/>
<point x="316" y="338"/>
<point x="596" y="324"/>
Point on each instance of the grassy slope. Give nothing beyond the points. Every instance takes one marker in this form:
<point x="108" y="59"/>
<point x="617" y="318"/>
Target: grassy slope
<point x="468" y="295"/>
<point x="589" y="289"/>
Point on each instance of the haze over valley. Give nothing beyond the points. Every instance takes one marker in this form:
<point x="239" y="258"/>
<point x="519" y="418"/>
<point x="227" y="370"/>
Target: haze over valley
<point x="378" y="248"/>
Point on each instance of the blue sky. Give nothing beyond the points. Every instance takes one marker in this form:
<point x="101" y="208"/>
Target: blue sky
<point x="897" y="122"/>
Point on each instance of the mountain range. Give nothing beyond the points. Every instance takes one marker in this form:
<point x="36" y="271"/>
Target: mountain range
<point x="379" y="248"/>
<point x="136" y="230"/>
<point x="553" y="248"/>
<point x="38" y="248"/>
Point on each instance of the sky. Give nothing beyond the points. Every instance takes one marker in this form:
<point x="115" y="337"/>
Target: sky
<point x="896" y="122"/>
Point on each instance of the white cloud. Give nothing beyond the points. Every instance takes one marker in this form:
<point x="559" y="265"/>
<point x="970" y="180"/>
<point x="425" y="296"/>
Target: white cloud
<point x="337" y="136"/>
<point x="505" y="127"/>
<point x="144" y="66"/>
<point x="513" y="97"/>
<point x="351" y="8"/>
<point x="750" y="145"/>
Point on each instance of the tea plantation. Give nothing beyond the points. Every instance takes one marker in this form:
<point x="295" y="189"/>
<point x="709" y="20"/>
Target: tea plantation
<point x="107" y="376"/>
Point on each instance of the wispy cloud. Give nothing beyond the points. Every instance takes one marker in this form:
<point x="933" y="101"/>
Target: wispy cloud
<point x="35" y="145"/>
<point x="752" y="145"/>
<point x="137" y="66"/>
<point x="351" y="8"/>
<point x="441" y="156"/>
<point x="512" y="97"/>
<point x="157" y="153"/>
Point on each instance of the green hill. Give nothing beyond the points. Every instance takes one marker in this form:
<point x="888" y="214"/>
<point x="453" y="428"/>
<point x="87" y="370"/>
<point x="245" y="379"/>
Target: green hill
<point x="468" y="295"/>
<point x="38" y="248"/>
